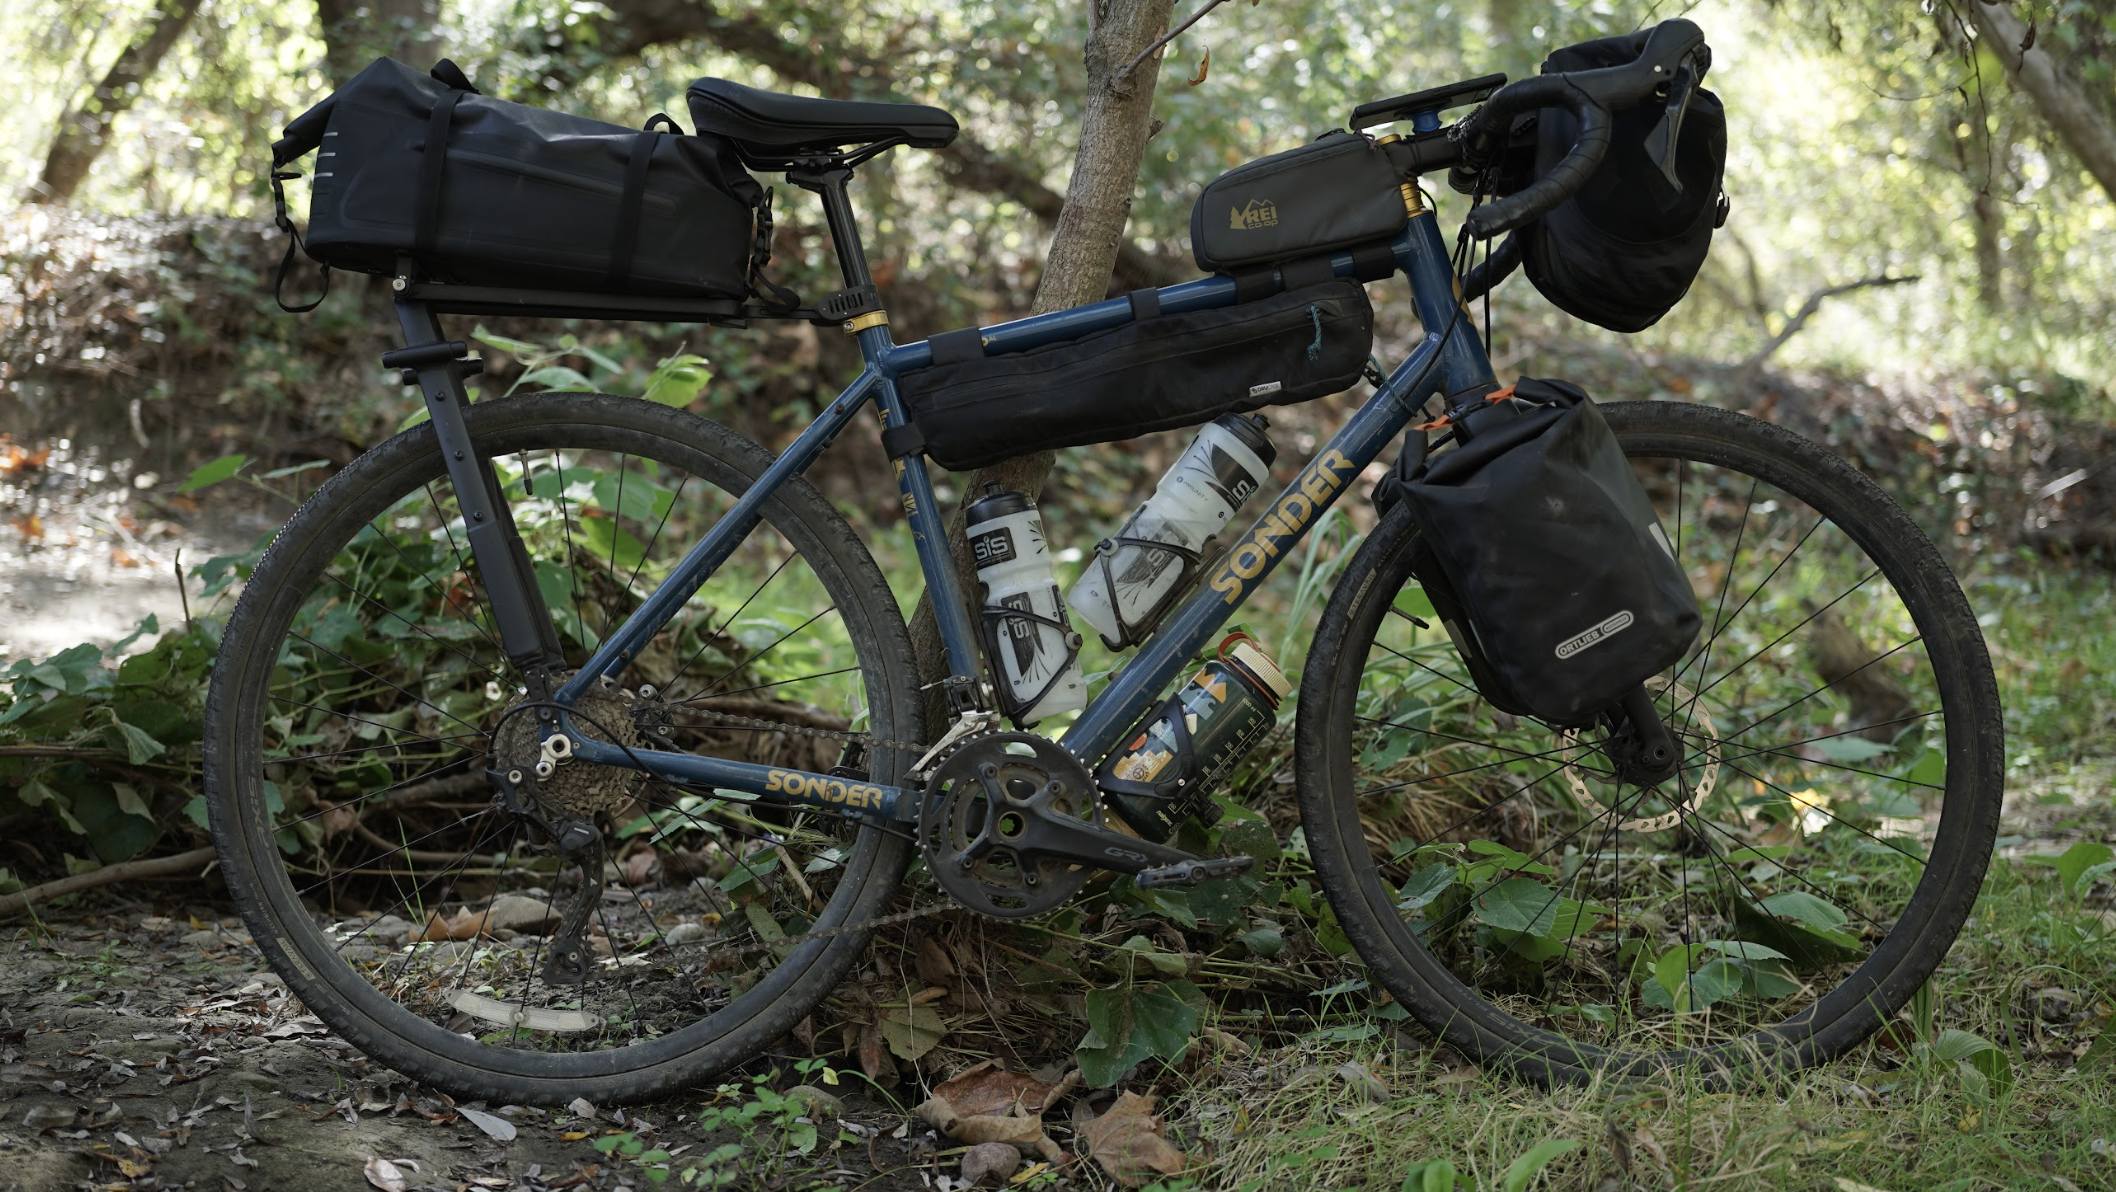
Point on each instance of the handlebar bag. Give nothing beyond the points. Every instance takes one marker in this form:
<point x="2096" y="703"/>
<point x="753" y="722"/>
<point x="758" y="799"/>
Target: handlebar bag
<point x="1155" y="373"/>
<point x="479" y="191"/>
<point x="1335" y="192"/>
<point x="1623" y="251"/>
<point x="1541" y="553"/>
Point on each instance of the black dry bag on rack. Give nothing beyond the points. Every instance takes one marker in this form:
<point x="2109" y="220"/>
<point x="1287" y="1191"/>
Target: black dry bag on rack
<point x="1623" y="251"/>
<point x="1541" y="553"/>
<point x="478" y="191"/>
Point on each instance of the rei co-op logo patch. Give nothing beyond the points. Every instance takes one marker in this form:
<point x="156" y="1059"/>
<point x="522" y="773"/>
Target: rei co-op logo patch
<point x="1260" y="213"/>
<point x="1597" y="635"/>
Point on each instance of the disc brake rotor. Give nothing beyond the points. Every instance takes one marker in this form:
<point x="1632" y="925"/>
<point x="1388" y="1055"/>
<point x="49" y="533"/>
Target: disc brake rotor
<point x="1701" y="740"/>
<point x="977" y="825"/>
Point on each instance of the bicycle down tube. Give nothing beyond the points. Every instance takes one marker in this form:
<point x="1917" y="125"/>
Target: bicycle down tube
<point x="1448" y="361"/>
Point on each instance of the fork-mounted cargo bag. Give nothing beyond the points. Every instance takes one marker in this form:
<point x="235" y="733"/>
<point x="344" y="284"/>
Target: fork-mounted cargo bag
<point x="1541" y="553"/>
<point x="1330" y="194"/>
<point x="479" y="191"/>
<point x="1153" y="374"/>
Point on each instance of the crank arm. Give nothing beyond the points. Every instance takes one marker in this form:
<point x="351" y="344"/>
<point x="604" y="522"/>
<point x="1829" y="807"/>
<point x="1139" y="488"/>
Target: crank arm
<point x="1065" y="838"/>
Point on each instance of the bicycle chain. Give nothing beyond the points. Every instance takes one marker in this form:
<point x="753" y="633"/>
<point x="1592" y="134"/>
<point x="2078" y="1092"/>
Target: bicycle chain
<point x="866" y="741"/>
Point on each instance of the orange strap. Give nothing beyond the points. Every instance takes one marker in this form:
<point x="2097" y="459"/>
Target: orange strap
<point x="1496" y="395"/>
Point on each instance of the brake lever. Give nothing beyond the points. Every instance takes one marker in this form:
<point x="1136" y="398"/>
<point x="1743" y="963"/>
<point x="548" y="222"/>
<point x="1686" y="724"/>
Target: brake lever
<point x="1661" y="142"/>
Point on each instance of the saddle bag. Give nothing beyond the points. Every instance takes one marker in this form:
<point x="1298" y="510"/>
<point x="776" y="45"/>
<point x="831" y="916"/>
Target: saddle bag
<point x="1623" y="251"/>
<point x="1155" y="373"/>
<point x="479" y="191"/>
<point x="1332" y="193"/>
<point x="1541" y="553"/>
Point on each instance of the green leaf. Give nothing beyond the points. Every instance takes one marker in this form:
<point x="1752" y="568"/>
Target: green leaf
<point x="36" y="793"/>
<point x="195" y="811"/>
<point x="912" y="1031"/>
<point x="1743" y="950"/>
<point x="2074" y="863"/>
<point x="1805" y="949"/>
<point x="213" y="473"/>
<point x="1672" y="973"/>
<point x="1422" y="887"/>
<point x="1438" y="1175"/>
<point x="1140" y="949"/>
<point x="679" y="380"/>
<point x="1519" y="905"/>
<point x="129" y="740"/>
<point x="115" y="833"/>
<point x="1524" y="1169"/>
<point x="517" y="347"/>
<point x="1264" y="941"/>
<point x="1930" y="770"/>
<point x="612" y="544"/>
<point x="2101" y="1050"/>
<point x="1805" y="908"/>
<point x="1130" y="1023"/>
<point x="554" y="376"/>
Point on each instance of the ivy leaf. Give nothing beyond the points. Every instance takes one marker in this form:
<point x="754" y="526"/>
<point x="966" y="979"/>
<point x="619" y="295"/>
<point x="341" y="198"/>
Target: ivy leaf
<point x="131" y="741"/>
<point x="1130" y="1023"/>
<point x="1520" y="905"/>
<point x="1422" y="887"/>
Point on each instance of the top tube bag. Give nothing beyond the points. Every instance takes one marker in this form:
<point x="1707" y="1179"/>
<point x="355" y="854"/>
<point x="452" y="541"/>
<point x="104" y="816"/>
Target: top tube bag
<point x="479" y="191"/>
<point x="1541" y="553"/>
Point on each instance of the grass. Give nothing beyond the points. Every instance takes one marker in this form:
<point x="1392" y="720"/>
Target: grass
<point x="1887" y="1116"/>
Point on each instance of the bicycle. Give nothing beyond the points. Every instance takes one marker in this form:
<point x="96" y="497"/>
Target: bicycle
<point x="485" y="625"/>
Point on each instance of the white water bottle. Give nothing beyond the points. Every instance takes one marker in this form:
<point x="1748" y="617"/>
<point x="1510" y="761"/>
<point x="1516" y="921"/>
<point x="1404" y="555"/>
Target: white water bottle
<point x="1034" y="652"/>
<point x="1133" y="577"/>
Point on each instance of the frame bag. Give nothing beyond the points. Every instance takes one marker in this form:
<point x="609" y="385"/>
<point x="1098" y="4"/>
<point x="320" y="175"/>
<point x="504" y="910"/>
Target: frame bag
<point x="1542" y="556"/>
<point x="479" y="191"/>
<point x="1624" y="250"/>
<point x="1332" y="193"/>
<point x="1158" y="372"/>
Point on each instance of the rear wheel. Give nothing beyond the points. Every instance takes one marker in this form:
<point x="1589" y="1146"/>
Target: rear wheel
<point x="1775" y="901"/>
<point x="361" y="694"/>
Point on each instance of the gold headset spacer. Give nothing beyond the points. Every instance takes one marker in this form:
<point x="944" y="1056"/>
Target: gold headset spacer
<point x="1390" y="139"/>
<point x="859" y="323"/>
<point x="1413" y="205"/>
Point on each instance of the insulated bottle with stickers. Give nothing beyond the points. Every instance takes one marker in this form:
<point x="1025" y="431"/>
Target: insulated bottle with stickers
<point x="1169" y="765"/>
<point x="1134" y="576"/>
<point x="1034" y="652"/>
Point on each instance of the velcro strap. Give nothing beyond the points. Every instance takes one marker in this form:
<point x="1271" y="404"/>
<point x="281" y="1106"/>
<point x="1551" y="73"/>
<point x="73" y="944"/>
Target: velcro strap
<point x="427" y="227"/>
<point x="624" y="231"/>
<point x="1372" y="262"/>
<point x="1308" y="271"/>
<point x="1145" y="304"/>
<point x="900" y="441"/>
<point x="1253" y="284"/>
<point x="957" y="347"/>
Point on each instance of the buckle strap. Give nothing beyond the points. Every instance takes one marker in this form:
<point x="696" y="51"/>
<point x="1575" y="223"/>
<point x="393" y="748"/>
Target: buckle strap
<point x="631" y="205"/>
<point x="434" y="163"/>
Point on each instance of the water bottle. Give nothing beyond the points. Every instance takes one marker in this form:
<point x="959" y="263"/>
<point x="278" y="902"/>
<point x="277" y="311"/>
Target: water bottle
<point x="1134" y="577"/>
<point x="1170" y="763"/>
<point x="1035" y="653"/>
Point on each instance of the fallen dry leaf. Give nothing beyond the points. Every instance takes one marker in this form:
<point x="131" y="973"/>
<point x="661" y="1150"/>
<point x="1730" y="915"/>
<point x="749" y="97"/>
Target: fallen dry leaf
<point x="383" y="1174"/>
<point x="1127" y="1142"/>
<point x="492" y="1124"/>
<point x="990" y="1104"/>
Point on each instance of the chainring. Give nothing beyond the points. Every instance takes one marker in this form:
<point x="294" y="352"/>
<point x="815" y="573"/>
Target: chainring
<point x="967" y="836"/>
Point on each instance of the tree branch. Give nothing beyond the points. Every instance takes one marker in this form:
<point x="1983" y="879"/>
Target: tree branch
<point x="15" y="904"/>
<point x="1164" y="39"/>
<point x="833" y="70"/>
<point x="2063" y="104"/>
<point x="84" y="130"/>
<point x="1754" y="364"/>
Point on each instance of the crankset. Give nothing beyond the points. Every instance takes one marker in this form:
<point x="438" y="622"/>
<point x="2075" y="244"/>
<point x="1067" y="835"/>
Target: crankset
<point x="1012" y="826"/>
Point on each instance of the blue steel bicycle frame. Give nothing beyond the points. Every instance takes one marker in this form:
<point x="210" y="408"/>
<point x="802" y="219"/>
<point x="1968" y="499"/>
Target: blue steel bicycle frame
<point x="1451" y="360"/>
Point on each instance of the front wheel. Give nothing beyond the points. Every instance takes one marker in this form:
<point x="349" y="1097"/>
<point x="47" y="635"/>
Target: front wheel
<point x="1771" y="904"/>
<point x="361" y="695"/>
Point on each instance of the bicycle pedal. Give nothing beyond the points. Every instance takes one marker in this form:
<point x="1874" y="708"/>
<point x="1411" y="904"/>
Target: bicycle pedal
<point x="1191" y="873"/>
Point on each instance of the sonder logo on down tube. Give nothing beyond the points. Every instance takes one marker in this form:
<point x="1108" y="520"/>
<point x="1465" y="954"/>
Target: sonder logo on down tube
<point x="1315" y="488"/>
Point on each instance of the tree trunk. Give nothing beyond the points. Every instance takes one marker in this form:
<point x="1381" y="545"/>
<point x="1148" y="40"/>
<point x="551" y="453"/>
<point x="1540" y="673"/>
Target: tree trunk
<point x="1113" y="132"/>
<point x="356" y="32"/>
<point x="84" y="130"/>
<point x="2064" y="105"/>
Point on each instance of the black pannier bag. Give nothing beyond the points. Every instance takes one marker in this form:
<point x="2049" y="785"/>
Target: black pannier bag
<point x="1541" y="553"/>
<point x="1624" y="250"/>
<point x="1156" y="373"/>
<point x="522" y="197"/>
<point x="1333" y="193"/>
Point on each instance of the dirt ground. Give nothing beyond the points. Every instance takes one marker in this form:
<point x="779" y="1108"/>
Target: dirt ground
<point x="149" y="1050"/>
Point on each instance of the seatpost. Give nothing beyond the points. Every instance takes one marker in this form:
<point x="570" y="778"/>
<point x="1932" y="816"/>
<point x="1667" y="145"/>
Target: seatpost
<point x="827" y="177"/>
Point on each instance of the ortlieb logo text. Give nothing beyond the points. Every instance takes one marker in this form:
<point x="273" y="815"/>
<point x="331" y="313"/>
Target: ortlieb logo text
<point x="1597" y="635"/>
